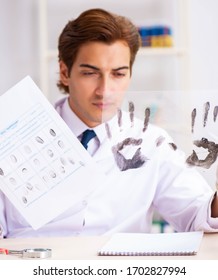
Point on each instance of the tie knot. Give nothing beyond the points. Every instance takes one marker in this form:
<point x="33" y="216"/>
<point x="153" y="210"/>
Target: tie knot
<point x="86" y="137"/>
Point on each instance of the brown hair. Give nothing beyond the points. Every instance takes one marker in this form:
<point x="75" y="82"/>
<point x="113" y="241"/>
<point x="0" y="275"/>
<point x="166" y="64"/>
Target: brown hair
<point x="95" y="25"/>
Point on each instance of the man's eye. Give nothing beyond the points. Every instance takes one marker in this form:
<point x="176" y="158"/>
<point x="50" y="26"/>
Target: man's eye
<point x="88" y="73"/>
<point x="119" y="74"/>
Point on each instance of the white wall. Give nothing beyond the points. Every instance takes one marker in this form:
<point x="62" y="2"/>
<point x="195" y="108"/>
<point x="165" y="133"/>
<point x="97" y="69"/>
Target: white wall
<point x="203" y="43"/>
<point x="19" y="41"/>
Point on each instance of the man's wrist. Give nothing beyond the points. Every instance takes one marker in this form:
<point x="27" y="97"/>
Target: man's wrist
<point x="214" y="206"/>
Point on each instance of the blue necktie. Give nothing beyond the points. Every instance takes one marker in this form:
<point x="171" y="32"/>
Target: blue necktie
<point x="86" y="137"/>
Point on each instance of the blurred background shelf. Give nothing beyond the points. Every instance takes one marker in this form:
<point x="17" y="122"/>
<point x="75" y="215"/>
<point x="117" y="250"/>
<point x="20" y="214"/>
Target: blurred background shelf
<point x="143" y="51"/>
<point x="153" y="51"/>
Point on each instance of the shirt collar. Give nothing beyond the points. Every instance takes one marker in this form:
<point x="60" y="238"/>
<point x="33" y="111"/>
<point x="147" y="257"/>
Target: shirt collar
<point x="73" y="122"/>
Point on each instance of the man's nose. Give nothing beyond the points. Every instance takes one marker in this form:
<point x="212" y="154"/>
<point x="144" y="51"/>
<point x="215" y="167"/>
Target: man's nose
<point x="104" y="86"/>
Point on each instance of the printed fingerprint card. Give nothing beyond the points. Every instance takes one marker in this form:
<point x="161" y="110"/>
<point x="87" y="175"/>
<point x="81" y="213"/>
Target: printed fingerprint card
<point x="44" y="170"/>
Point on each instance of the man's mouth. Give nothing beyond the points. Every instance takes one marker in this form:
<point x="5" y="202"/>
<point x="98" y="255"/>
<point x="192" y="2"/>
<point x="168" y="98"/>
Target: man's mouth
<point x="102" y="105"/>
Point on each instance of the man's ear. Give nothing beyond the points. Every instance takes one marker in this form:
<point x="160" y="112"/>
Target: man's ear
<point x="63" y="73"/>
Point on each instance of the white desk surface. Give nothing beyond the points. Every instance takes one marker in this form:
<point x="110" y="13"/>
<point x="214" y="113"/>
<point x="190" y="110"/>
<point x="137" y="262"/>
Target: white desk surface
<point x="85" y="248"/>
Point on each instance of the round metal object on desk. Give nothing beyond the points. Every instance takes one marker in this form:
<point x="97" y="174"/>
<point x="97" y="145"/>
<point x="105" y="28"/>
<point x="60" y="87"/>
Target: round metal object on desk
<point x="37" y="253"/>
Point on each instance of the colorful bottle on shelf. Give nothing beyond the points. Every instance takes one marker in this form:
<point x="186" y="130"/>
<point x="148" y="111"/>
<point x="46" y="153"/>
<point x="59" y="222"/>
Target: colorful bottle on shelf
<point x="156" y="36"/>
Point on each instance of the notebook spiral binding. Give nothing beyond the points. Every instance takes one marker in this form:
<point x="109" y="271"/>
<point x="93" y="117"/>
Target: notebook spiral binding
<point x="104" y="253"/>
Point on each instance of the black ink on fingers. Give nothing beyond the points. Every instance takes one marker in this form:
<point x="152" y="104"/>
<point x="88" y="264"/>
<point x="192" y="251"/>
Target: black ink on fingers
<point x="159" y="140"/>
<point x="1" y="172"/>
<point x="147" y="118"/>
<point x="209" y="159"/>
<point x="127" y="142"/>
<point x="108" y="130"/>
<point x="193" y="116"/>
<point x="215" y="113"/>
<point x="173" y="146"/>
<point x="131" y="112"/>
<point x="119" y="117"/>
<point x="138" y="160"/>
<point x="206" y="111"/>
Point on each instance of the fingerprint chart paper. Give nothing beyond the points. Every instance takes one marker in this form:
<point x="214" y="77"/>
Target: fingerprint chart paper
<point x="44" y="170"/>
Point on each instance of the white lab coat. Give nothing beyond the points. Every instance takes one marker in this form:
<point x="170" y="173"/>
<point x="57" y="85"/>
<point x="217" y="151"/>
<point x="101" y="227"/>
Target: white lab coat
<point x="127" y="199"/>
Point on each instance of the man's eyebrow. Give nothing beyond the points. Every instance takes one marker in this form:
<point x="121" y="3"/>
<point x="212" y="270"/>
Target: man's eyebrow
<point x="98" y="69"/>
<point x="89" y="66"/>
<point x="121" y="68"/>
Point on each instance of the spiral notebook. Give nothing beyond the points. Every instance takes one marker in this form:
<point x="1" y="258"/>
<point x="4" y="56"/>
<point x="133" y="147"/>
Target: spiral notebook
<point x="149" y="244"/>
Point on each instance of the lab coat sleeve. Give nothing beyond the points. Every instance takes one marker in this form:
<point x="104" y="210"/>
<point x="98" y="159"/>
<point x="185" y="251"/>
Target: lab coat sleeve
<point x="183" y="197"/>
<point x="3" y="224"/>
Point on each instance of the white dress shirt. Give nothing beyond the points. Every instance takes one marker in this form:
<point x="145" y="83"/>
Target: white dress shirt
<point x="127" y="199"/>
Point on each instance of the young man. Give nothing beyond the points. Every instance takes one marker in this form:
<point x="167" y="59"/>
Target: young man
<point x="144" y="169"/>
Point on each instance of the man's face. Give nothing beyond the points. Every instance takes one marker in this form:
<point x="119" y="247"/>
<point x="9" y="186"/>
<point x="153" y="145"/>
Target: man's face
<point x="98" y="80"/>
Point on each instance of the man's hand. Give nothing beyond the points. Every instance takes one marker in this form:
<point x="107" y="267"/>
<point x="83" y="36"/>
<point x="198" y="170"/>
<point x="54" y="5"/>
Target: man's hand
<point x="209" y="159"/>
<point x="204" y="143"/>
<point x="214" y="207"/>
<point x="136" y="161"/>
